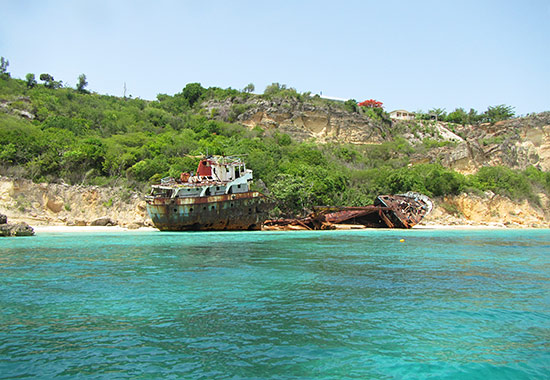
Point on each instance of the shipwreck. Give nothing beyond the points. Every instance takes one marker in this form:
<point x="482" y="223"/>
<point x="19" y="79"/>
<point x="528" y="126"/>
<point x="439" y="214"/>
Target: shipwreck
<point x="387" y="211"/>
<point x="216" y="197"/>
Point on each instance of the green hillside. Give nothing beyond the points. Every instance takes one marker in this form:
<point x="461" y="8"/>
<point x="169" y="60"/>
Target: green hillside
<point x="51" y="134"/>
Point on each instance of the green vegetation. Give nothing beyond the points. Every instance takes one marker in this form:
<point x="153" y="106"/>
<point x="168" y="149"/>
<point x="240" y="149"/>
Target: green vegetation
<point x="108" y="204"/>
<point x="81" y="137"/>
<point x="249" y="88"/>
<point x="450" y="208"/>
<point x="460" y="116"/>
<point x="82" y="83"/>
<point x="4" y="63"/>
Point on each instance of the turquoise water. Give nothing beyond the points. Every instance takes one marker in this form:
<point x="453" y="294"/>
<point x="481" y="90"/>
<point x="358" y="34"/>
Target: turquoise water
<point x="276" y="305"/>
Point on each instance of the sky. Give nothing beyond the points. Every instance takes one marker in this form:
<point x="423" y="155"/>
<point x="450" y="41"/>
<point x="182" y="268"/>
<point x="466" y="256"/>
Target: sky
<point x="412" y="55"/>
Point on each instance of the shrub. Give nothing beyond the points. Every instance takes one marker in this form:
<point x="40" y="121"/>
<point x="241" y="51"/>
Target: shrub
<point x="504" y="181"/>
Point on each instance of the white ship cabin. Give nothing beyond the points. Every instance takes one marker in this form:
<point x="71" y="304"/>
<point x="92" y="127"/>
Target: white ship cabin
<point x="215" y="176"/>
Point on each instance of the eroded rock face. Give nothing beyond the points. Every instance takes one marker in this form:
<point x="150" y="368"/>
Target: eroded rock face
<point x="536" y="144"/>
<point x="54" y="204"/>
<point x="516" y="143"/>
<point x="305" y="120"/>
<point x="490" y="210"/>
<point x="61" y="204"/>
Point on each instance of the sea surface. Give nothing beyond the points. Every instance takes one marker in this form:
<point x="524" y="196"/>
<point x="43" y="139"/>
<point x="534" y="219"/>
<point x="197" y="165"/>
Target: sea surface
<point x="442" y="304"/>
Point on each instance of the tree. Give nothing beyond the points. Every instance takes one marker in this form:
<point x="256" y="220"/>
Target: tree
<point x="4" y="63"/>
<point x="498" y="113"/>
<point x="249" y="88"/>
<point x="371" y="103"/>
<point x="49" y="82"/>
<point x="350" y="105"/>
<point x="192" y="92"/>
<point x="473" y="116"/>
<point x="458" y="116"/>
<point x="281" y="91"/>
<point x="439" y="113"/>
<point x="81" y="83"/>
<point x="274" y="88"/>
<point x="31" y="80"/>
<point x="292" y="194"/>
<point x="46" y="77"/>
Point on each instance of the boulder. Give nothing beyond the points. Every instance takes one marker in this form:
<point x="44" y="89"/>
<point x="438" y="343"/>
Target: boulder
<point x="103" y="221"/>
<point x="3" y="219"/>
<point x="134" y="225"/>
<point x="16" y="229"/>
<point x="55" y="204"/>
<point x="76" y="222"/>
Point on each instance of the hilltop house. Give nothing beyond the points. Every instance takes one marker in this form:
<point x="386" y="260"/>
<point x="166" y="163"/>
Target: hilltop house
<point x="402" y="115"/>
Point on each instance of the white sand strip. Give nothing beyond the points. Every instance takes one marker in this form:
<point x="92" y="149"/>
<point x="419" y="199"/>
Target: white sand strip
<point x="42" y="229"/>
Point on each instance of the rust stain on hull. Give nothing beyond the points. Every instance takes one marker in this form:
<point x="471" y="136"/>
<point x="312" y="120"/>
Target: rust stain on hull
<point x="242" y="211"/>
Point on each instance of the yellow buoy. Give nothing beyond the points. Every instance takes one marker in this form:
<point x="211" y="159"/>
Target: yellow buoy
<point x="402" y="240"/>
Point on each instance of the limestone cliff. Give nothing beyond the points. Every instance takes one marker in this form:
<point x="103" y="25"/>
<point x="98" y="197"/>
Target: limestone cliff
<point x="61" y="204"/>
<point x="516" y="143"/>
<point x="302" y="120"/>
<point x="488" y="210"/>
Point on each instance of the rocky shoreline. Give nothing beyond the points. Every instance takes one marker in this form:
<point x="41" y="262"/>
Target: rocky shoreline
<point x="14" y="229"/>
<point x="91" y="206"/>
<point x="50" y="204"/>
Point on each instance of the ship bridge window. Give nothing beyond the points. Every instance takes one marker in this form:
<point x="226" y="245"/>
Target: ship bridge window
<point x="166" y="193"/>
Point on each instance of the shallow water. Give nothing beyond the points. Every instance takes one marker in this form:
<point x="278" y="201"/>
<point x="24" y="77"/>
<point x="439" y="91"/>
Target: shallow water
<point x="277" y="305"/>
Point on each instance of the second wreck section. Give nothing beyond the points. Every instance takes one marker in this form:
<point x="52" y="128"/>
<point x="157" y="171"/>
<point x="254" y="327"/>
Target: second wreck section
<point x="387" y="211"/>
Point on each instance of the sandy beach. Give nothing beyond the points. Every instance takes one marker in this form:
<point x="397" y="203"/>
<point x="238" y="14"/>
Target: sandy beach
<point x="88" y="229"/>
<point x="464" y="227"/>
<point x="49" y="229"/>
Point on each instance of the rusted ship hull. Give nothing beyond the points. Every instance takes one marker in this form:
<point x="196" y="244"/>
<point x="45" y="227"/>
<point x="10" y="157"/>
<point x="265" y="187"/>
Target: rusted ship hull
<point x="368" y="216"/>
<point x="242" y="211"/>
<point x="387" y="211"/>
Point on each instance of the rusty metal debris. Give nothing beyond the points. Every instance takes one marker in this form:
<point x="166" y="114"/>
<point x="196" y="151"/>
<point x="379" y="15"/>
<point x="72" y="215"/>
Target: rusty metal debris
<point x="387" y="211"/>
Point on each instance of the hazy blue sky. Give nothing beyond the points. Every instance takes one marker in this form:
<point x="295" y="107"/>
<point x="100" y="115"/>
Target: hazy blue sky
<point x="407" y="54"/>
